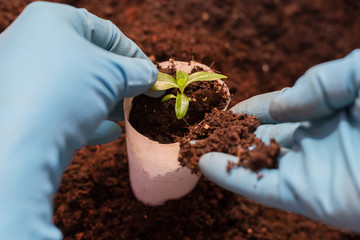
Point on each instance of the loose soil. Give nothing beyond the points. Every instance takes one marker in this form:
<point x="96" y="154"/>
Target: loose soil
<point x="261" y="45"/>
<point x="227" y="132"/>
<point x="157" y="120"/>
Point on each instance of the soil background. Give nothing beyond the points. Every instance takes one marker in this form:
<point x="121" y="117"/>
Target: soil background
<point x="261" y="46"/>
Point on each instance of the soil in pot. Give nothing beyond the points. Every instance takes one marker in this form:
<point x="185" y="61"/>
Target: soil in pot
<point x="157" y="120"/>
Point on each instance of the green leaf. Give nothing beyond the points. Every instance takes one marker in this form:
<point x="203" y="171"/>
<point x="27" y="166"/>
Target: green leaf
<point x="181" y="82"/>
<point x="181" y="105"/>
<point x="181" y="74"/>
<point x="204" y="76"/>
<point x="167" y="97"/>
<point x="164" y="82"/>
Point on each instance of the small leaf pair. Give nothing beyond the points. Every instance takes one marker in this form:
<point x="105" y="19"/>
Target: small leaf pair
<point x="165" y="81"/>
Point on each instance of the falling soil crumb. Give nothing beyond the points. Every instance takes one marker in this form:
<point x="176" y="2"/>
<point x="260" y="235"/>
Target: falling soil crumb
<point x="227" y="132"/>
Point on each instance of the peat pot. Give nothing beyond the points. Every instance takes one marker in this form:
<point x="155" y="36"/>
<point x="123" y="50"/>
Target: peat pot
<point x="155" y="172"/>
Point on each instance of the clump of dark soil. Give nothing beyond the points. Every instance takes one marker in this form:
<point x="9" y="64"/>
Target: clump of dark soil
<point x="157" y="120"/>
<point x="227" y="132"/>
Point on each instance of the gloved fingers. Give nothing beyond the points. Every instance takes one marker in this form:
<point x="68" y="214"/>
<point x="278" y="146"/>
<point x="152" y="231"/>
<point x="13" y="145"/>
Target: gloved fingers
<point x="258" y="106"/>
<point x="138" y="74"/>
<point x="106" y="35"/>
<point x="108" y="131"/>
<point x="282" y="133"/>
<point x="117" y="114"/>
<point x="320" y="92"/>
<point x="155" y="94"/>
<point x="102" y="33"/>
<point x="123" y="69"/>
<point x="283" y="151"/>
<point x="119" y="77"/>
<point x="262" y="187"/>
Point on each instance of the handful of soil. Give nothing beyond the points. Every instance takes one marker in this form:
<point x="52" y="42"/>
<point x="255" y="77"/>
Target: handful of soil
<point x="227" y="132"/>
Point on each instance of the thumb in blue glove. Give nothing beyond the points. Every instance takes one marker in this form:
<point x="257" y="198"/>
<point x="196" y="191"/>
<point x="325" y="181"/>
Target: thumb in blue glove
<point x="317" y="123"/>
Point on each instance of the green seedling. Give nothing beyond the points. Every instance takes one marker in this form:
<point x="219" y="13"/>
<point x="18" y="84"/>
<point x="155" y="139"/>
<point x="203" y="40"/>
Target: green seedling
<point x="165" y="81"/>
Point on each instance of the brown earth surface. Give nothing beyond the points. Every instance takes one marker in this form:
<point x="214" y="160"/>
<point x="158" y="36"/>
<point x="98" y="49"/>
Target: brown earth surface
<point x="261" y="45"/>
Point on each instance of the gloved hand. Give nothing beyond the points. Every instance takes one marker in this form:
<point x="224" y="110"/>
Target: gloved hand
<point x="62" y="71"/>
<point x="319" y="129"/>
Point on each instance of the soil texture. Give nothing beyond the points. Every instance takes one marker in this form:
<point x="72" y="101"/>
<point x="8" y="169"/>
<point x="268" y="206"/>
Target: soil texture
<point x="157" y="120"/>
<point x="261" y="45"/>
<point x="227" y="132"/>
<point x="95" y="201"/>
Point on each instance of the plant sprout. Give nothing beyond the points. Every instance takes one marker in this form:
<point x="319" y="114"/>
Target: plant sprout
<point x="165" y="81"/>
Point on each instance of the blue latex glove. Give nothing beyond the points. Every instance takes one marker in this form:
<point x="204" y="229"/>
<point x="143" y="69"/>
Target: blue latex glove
<point x="62" y="71"/>
<point x="319" y="129"/>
